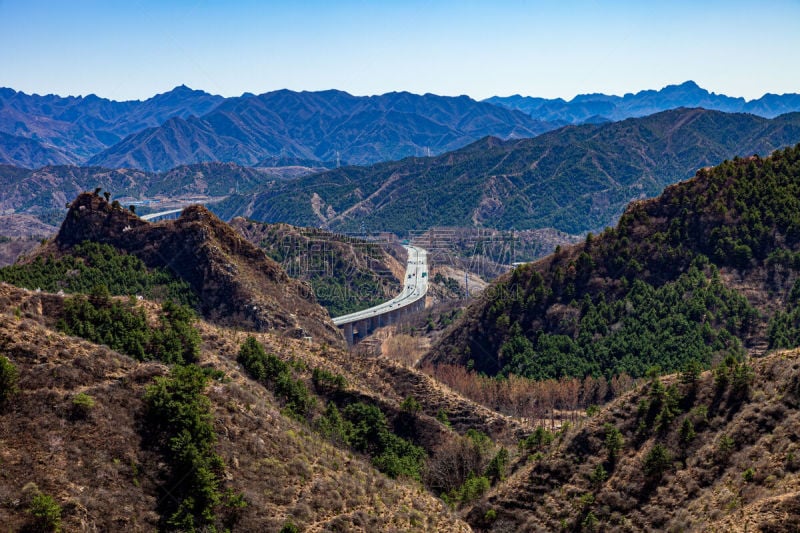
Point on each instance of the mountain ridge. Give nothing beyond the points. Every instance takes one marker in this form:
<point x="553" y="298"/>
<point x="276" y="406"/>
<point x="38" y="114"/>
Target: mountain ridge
<point x="574" y="179"/>
<point x="79" y="127"/>
<point x="46" y="190"/>
<point x="184" y="126"/>
<point x="320" y="126"/>
<point x="597" y="106"/>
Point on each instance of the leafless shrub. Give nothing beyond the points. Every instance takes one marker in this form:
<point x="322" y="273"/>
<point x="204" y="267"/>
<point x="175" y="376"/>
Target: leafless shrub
<point x="402" y="348"/>
<point x="451" y="464"/>
<point x="301" y="512"/>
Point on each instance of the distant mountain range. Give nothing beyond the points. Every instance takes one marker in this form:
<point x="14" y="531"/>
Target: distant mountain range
<point x="575" y="179"/>
<point x="48" y="130"/>
<point x="594" y="108"/>
<point x="185" y="126"/>
<point x="322" y="126"/>
<point x="326" y="128"/>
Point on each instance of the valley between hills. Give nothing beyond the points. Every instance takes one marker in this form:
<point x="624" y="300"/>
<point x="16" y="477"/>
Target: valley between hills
<point x="610" y="340"/>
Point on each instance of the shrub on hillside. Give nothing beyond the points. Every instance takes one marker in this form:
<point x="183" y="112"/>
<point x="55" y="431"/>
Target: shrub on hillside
<point x="82" y="405"/>
<point x="123" y="326"/>
<point x="327" y="382"/>
<point x="89" y="264"/>
<point x="180" y="414"/>
<point x="45" y="513"/>
<point x="9" y="376"/>
<point x="276" y="374"/>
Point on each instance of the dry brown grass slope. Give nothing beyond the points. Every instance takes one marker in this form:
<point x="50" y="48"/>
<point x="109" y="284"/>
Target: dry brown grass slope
<point x="739" y="472"/>
<point x="378" y="381"/>
<point x="105" y="477"/>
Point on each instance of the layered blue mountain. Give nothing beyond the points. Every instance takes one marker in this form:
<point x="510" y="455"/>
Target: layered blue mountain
<point x="184" y="126"/>
<point x="328" y="126"/>
<point x="40" y="130"/>
<point x="595" y="108"/>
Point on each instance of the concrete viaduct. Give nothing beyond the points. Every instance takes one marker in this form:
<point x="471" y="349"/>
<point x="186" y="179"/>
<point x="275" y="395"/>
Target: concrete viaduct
<point x="358" y="325"/>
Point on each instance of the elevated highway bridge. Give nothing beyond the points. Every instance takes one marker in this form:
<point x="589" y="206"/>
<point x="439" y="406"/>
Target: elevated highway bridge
<point x="162" y="215"/>
<point x="358" y="325"/>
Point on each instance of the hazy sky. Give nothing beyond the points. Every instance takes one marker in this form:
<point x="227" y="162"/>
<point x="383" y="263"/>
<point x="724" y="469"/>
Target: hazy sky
<point x="134" y="49"/>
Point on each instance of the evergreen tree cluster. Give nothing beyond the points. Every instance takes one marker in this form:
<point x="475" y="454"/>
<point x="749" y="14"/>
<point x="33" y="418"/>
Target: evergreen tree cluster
<point x="364" y="427"/>
<point x="276" y="375"/>
<point x="90" y="264"/>
<point x="655" y="290"/>
<point x="180" y="415"/>
<point x="359" y="425"/>
<point x="693" y="318"/>
<point x="122" y="326"/>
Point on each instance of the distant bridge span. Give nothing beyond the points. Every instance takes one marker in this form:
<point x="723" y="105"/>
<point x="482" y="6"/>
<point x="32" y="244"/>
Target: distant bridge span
<point x="162" y="215"/>
<point x="361" y="323"/>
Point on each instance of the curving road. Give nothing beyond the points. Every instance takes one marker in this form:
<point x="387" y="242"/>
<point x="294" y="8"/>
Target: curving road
<point x="412" y="297"/>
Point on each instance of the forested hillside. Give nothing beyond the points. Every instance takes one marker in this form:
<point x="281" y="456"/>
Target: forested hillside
<point x="191" y="390"/>
<point x="242" y="431"/>
<point x="347" y="274"/>
<point x="89" y="265"/>
<point x="231" y="281"/>
<point x="574" y="179"/>
<point x="705" y="271"/>
<point x="261" y="430"/>
<point x="191" y="437"/>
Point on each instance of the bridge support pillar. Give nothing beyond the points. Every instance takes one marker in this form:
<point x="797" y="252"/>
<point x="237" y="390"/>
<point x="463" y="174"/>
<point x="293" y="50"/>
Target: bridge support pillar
<point x="348" y="333"/>
<point x="362" y="326"/>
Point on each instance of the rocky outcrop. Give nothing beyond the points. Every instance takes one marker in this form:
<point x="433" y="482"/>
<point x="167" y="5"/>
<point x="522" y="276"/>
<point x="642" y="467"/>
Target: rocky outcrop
<point x="236" y="282"/>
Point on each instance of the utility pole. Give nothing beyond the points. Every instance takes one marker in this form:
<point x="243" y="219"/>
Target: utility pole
<point x="513" y="248"/>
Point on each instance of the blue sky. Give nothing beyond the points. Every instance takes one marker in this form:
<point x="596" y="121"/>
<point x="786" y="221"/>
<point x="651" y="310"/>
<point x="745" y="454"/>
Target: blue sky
<point x="134" y="49"/>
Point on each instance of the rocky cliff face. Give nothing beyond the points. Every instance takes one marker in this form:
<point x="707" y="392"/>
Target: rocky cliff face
<point x="236" y="282"/>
